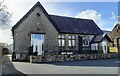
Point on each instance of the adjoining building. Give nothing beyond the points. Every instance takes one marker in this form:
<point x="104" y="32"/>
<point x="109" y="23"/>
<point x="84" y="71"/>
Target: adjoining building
<point x="115" y="36"/>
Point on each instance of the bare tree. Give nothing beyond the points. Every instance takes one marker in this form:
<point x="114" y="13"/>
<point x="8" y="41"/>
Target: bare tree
<point x="4" y="15"/>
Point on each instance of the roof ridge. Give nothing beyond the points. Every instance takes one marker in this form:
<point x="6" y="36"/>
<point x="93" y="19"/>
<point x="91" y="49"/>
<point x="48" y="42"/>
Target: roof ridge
<point x="70" y="17"/>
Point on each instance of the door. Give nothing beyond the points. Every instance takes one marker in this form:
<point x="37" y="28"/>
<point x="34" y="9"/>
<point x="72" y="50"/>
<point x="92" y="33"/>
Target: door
<point x="37" y="41"/>
<point x="105" y="48"/>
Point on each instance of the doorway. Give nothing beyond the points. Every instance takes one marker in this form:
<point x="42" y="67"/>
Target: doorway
<point x="37" y="41"/>
<point x="105" y="48"/>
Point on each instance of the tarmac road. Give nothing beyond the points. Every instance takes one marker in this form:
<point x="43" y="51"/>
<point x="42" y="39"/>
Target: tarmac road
<point x="107" y="66"/>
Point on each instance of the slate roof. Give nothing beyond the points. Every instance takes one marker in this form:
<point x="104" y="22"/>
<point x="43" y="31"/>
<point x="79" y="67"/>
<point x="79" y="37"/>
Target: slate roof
<point x="99" y="38"/>
<point x="106" y="32"/>
<point x="66" y="24"/>
<point x="76" y="25"/>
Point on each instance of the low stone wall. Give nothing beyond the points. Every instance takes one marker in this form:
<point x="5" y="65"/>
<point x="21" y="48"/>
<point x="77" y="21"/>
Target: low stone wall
<point x="74" y="57"/>
<point x="19" y="56"/>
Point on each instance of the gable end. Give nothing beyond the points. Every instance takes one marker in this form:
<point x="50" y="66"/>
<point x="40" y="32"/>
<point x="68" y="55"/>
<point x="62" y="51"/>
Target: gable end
<point x="38" y="4"/>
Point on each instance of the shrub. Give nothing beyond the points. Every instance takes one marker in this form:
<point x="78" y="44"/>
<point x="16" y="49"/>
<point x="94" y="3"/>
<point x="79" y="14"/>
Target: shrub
<point x="5" y="51"/>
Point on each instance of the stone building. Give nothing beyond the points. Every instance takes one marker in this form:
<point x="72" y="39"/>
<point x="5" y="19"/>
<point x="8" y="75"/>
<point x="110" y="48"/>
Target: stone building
<point x="115" y="36"/>
<point x="52" y="34"/>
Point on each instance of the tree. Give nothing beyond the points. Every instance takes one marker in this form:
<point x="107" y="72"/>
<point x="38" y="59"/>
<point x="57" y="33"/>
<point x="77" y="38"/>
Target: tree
<point x="5" y="16"/>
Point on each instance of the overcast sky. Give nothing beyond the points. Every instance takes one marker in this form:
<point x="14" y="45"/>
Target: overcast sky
<point x="101" y="12"/>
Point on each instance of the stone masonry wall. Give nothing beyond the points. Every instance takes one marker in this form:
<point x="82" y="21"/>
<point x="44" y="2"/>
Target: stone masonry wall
<point x="22" y="34"/>
<point x="74" y="57"/>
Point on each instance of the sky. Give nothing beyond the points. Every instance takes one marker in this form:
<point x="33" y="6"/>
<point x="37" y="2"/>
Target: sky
<point x="103" y="13"/>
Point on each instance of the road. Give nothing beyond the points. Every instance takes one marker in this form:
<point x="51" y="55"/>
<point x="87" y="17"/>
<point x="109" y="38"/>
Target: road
<point x="106" y="66"/>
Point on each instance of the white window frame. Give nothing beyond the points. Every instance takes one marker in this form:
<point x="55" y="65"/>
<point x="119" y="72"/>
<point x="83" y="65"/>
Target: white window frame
<point x="86" y="40"/>
<point x="61" y="40"/>
<point x="72" y="40"/>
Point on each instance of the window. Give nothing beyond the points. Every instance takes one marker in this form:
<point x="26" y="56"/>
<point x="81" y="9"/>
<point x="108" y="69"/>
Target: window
<point x="94" y="46"/>
<point x="118" y="42"/>
<point x="61" y="40"/>
<point x="71" y="40"/>
<point x="105" y="47"/>
<point x="114" y="43"/>
<point x="36" y="37"/>
<point x="86" y="40"/>
<point x="38" y="15"/>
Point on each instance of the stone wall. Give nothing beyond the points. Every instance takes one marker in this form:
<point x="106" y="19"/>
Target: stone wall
<point x="74" y="57"/>
<point x="35" y="25"/>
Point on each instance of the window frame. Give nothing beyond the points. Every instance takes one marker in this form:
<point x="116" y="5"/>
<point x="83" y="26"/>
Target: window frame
<point x="61" y="40"/>
<point x="72" y="40"/>
<point x="86" y="40"/>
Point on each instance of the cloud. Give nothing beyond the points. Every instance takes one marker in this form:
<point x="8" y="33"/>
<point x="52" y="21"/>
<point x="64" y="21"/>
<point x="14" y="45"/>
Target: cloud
<point x="52" y="8"/>
<point x="114" y="16"/>
<point x="90" y="14"/>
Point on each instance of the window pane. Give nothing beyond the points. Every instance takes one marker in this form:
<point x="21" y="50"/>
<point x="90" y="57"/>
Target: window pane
<point x="42" y="37"/>
<point x="84" y="42"/>
<point x="69" y="37"/>
<point x="73" y="37"/>
<point x="63" y="42"/>
<point x="73" y="42"/>
<point x="87" y="42"/>
<point x="62" y="36"/>
<point x="59" y="36"/>
<point x="96" y="47"/>
<point x="59" y="42"/>
<point x="69" y="42"/>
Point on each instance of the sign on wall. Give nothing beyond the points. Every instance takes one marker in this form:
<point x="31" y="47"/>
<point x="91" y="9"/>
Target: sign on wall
<point x="113" y="49"/>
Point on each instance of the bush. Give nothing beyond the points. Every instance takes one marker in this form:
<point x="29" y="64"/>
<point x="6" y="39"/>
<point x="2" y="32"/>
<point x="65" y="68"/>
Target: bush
<point x="5" y="51"/>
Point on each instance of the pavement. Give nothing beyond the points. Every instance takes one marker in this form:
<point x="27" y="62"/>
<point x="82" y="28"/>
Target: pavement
<point x="8" y="67"/>
<point x="106" y="66"/>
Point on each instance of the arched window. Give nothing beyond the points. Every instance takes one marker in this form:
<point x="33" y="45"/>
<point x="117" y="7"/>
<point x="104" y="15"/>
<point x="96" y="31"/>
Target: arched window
<point x="86" y="40"/>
